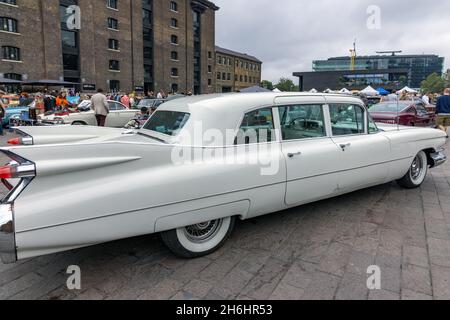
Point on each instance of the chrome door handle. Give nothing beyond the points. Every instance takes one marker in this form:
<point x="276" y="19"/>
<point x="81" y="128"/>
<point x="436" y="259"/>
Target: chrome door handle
<point x="292" y="155"/>
<point x="345" y="146"/>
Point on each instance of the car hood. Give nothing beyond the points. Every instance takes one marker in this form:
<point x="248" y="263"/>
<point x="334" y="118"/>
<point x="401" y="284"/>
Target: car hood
<point x="385" y="115"/>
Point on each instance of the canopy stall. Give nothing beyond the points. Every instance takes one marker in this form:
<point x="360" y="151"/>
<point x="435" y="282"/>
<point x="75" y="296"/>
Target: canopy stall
<point x="313" y="90"/>
<point x="276" y="90"/>
<point x="9" y="81"/>
<point x="407" y="89"/>
<point x="383" y="91"/>
<point x="345" y="91"/>
<point x="49" y="83"/>
<point x="369" y="91"/>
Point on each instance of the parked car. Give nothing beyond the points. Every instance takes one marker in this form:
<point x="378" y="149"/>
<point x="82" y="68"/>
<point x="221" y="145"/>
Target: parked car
<point x="118" y="117"/>
<point x="150" y="103"/>
<point x="13" y="112"/>
<point x="10" y="100"/>
<point x="407" y="113"/>
<point x="162" y="179"/>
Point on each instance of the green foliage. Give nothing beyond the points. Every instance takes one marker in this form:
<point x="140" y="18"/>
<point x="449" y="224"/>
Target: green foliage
<point x="433" y="84"/>
<point x="267" y="84"/>
<point x="286" y="85"/>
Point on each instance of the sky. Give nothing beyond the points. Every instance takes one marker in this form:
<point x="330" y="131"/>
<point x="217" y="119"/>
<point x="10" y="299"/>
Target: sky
<point x="287" y="35"/>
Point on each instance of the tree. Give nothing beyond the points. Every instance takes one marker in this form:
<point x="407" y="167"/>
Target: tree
<point x="403" y="80"/>
<point x="447" y="79"/>
<point x="286" y="85"/>
<point x="433" y="84"/>
<point x="267" y="84"/>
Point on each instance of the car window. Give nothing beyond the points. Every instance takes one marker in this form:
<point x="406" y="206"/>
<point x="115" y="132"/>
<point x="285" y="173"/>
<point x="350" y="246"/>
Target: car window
<point x="112" y="106"/>
<point x="346" y="119"/>
<point x="120" y="107"/>
<point x="302" y="122"/>
<point x="257" y="127"/>
<point x="372" y="126"/>
<point x="421" y="109"/>
<point x="167" y="122"/>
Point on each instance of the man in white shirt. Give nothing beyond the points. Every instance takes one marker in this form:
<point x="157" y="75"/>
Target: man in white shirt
<point x="426" y="99"/>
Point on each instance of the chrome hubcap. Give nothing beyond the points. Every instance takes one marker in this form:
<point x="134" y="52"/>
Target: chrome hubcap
<point x="202" y="232"/>
<point x="416" y="168"/>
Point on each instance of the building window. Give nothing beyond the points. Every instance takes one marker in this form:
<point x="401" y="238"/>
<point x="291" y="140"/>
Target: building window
<point x="69" y="39"/>
<point x="241" y="78"/>
<point x="174" y="87"/>
<point x="114" y="65"/>
<point x="209" y="69"/>
<point x="174" y="39"/>
<point x="146" y="17"/>
<point x="218" y="75"/>
<point x="13" y="76"/>
<point x="235" y="77"/>
<point x="113" y="23"/>
<point x="173" y="6"/>
<point x="11" y="53"/>
<point x="229" y="76"/>
<point x="174" y="55"/>
<point x="114" y="85"/>
<point x="209" y="55"/>
<point x="209" y="82"/>
<point x="12" y="2"/>
<point x="113" y="44"/>
<point x="112" y="4"/>
<point x="174" y="23"/>
<point x="174" y="72"/>
<point x="8" y="24"/>
<point x="224" y="76"/>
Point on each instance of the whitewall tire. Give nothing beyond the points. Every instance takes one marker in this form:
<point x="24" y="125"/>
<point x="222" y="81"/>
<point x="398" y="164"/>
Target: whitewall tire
<point x="200" y="239"/>
<point x="417" y="173"/>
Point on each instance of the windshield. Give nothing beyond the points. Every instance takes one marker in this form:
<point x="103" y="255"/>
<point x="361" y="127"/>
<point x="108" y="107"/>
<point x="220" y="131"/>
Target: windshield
<point x="167" y="122"/>
<point x="146" y="103"/>
<point x="387" y="107"/>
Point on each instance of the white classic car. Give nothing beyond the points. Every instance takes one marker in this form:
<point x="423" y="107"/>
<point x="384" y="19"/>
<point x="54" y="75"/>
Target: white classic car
<point x="198" y="165"/>
<point x="118" y="117"/>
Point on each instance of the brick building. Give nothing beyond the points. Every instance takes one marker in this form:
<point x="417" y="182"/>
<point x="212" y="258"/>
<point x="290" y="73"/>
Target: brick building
<point x="236" y="71"/>
<point x="115" y="44"/>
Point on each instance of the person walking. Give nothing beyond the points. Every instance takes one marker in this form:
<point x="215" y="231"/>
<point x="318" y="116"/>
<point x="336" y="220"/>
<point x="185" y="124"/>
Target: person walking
<point x="443" y="111"/>
<point x="125" y="100"/>
<point x="99" y="103"/>
<point x="2" y="112"/>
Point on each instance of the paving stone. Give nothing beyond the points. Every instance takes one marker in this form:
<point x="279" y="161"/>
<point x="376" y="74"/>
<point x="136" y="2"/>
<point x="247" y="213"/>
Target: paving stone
<point x="383" y="295"/>
<point x="353" y="287"/>
<point x="412" y="295"/>
<point x="416" y="256"/>
<point x="286" y="292"/>
<point x="439" y="252"/>
<point x="441" y="282"/>
<point x="336" y="258"/>
<point x="416" y="279"/>
<point x="359" y="262"/>
<point x="322" y="287"/>
<point x="198" y="288"/>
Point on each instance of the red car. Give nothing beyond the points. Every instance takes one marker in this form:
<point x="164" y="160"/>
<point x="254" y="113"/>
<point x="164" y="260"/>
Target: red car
<point x="405" y="113"/>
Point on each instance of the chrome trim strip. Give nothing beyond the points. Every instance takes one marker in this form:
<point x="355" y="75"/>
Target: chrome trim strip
<point x="8" y="253"/>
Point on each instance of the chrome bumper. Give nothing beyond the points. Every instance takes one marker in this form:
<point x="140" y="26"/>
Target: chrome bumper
<point x="438" y="158"/>
<point x="8" y="252"/>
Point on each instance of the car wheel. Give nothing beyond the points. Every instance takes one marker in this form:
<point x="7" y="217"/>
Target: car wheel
<point x="200" y="239"/>
<point x="417" y="172"/>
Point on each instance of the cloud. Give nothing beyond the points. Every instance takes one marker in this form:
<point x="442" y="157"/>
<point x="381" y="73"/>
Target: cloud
<point x="287" y="35"/>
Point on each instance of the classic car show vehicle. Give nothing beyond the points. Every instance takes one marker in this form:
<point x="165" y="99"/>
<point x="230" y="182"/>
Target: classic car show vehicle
<point x="198" y="165"/>
<point x="119" y="116"/>
<point x="406" y="113"/>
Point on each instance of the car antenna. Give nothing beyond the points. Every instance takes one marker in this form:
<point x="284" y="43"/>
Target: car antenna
<point x="398" y="111"/>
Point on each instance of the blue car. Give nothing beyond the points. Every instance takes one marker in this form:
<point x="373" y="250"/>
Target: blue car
<point x="13" y="111"/>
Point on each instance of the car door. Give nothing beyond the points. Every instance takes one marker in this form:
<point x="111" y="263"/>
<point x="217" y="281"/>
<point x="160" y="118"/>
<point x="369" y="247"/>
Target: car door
<point x="309" y="153"/>
<point x="424" y="118"/>
<point x="125" y="115"/>
<point x="113" y="117"/>
<point x="365" y="153"/>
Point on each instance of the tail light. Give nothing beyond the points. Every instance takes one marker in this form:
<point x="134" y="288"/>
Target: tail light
<point x="25" y="141"/>
<point x="17" y="171"/>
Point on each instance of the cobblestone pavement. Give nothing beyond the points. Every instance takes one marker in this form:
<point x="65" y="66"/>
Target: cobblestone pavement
<point x="318" y="251"/>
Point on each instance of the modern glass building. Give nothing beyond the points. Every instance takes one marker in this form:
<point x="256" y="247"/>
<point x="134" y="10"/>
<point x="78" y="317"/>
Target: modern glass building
<point x="419" y="66"/>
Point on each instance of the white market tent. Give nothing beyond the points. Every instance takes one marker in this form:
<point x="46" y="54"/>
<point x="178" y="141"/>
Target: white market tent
<point x="369" y="91"/>
<point x="328" y="91"/>
<point x="277" y="90"/>
<point x="313" y="90"/>
<point x="345" y="91"/>
<point x="407" y="89"/>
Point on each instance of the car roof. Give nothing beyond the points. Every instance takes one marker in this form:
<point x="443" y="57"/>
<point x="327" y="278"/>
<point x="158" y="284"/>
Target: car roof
<point x="225" y="111"/>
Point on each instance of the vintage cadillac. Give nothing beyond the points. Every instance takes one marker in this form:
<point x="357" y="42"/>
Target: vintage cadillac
<point x="198" y="165"/>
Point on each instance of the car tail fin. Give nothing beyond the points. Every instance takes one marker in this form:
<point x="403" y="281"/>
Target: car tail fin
<point x="17" y="169"/>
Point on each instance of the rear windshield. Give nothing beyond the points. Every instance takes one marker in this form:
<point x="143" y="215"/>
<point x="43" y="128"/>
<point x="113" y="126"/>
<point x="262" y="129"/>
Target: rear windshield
<point x="387" y="107"/>
<point x="167" y="122"/>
